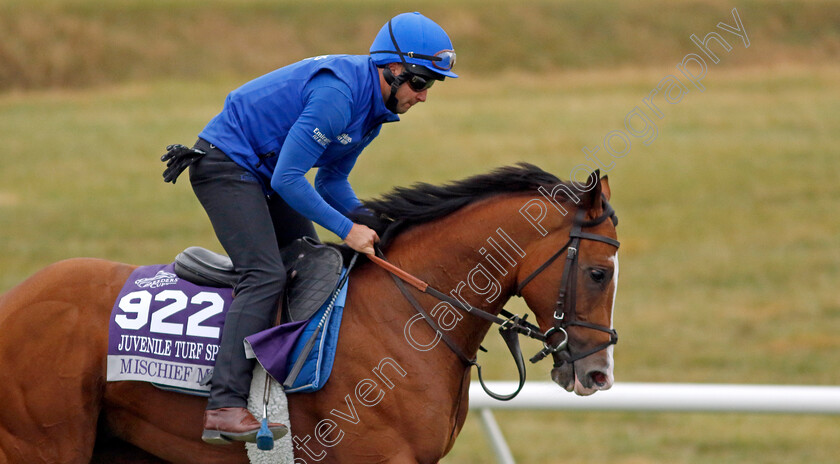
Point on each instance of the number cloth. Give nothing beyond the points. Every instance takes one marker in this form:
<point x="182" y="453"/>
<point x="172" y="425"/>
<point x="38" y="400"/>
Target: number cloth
<point x="166" y="330"/>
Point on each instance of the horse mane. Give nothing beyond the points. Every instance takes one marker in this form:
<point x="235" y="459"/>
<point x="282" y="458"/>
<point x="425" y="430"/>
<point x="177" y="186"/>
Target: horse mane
<point x="405" y="207"/>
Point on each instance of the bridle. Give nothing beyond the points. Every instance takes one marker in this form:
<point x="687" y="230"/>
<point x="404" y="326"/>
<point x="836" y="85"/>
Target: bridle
<point x="567" y="298"/>
<point x="513" y="326"/>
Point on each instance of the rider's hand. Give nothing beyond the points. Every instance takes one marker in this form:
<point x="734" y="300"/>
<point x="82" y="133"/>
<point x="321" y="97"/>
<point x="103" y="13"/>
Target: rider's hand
<point x="361" y="238"/>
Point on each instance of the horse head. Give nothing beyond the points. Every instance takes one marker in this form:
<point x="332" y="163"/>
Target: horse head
<point x="569" y="281"/>
<point x="567" y="273"/>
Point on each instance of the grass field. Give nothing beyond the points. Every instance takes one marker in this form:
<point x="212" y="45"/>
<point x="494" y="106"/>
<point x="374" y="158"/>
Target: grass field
<point x="729" y="224"/>
<point x="730" y="251"/>
<point x="77" y="43"/>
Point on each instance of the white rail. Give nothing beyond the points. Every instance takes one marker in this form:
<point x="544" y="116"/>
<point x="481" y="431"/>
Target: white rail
<point x="662" y="397"/>
<point x="678" y="397"/>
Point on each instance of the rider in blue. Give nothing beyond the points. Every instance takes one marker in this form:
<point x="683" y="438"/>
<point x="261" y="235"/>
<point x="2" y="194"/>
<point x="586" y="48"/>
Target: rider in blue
<point x="247" y="170"/>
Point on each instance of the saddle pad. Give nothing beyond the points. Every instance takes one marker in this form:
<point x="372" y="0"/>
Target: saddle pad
<point x="165" y="330"/>
<point x="270" y="347"/>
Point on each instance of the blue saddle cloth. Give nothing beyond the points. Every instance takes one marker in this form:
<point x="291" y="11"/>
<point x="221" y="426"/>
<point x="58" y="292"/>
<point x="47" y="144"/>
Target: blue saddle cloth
<point x="278" y="348"/>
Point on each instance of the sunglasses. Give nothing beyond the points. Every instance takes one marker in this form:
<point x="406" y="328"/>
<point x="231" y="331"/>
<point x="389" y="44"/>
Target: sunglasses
<point x="419" y="83"/>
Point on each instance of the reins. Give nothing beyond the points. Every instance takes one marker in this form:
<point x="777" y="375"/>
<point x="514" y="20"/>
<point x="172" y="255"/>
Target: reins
<point x="511" y="325"/>
<point x="509" y="328"/>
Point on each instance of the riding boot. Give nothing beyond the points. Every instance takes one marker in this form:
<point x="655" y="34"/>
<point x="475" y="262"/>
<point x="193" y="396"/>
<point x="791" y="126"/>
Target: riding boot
<point x="221" y="426"/>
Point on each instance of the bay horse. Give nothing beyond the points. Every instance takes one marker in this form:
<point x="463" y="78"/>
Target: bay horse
<point x="396" y="394"/>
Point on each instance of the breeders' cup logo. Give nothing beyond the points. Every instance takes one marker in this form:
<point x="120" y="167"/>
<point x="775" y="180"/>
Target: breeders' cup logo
<point x="161" y="279"/>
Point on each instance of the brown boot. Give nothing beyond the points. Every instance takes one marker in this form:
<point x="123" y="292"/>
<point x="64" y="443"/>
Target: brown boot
<point x="223" y="425"/>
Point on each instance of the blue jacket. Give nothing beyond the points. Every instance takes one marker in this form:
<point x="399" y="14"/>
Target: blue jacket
<point x="320" y="112"/>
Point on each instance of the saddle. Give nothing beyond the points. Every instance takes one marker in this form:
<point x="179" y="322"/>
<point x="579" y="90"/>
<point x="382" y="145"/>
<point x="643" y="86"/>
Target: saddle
<point x="313" y="270"/>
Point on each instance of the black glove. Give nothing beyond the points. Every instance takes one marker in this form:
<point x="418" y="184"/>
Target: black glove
<point x="178" y="158"/>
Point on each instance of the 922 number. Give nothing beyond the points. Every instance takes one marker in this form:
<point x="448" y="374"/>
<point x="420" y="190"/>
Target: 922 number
<point x="139" y="303"/>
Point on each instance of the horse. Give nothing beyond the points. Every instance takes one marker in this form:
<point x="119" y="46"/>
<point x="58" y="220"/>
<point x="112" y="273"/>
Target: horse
<point x="396" y="394"/>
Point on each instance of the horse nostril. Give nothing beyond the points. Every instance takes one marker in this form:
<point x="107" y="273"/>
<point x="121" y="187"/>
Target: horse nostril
<point x="598" y="378"/>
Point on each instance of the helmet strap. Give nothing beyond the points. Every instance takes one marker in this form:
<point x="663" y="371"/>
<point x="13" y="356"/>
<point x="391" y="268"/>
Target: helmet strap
<point x="396" y="82"/>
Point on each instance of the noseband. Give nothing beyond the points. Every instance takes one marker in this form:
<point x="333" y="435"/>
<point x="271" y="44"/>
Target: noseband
<point x="567" y="298"/>
<point x="514" y="325"/>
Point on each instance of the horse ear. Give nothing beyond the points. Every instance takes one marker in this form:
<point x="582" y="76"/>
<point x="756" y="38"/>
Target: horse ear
<point x="605" y="187"/>
<point x="592" y="198"/>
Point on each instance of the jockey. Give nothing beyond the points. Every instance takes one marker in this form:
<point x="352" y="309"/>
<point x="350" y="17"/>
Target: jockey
<point x="247" y="170"/>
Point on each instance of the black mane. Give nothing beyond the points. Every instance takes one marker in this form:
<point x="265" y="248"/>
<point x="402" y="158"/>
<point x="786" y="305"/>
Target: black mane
<point x="408" y="206"/>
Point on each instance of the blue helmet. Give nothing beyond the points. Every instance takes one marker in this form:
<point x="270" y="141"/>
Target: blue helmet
<point x="411" y="38"/>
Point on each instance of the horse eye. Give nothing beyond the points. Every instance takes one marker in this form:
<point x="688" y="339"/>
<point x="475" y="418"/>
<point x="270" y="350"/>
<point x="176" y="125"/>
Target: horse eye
<point x="597" y="275"/>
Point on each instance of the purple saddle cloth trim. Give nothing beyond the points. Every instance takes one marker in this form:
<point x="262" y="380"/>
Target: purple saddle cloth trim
<point x="273" y="347"/>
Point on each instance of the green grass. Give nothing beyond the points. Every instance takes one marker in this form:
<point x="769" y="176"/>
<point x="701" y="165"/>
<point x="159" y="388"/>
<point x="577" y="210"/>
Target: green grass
<point x="78" y="43"/>
<point x="730" y="237"/>
<point x="647" y="438"/>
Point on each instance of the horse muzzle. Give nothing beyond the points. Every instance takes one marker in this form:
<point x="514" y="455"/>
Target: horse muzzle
<point x="584" y="376"/>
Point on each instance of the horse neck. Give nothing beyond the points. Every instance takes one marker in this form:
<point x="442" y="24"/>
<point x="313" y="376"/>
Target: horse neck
<point x="473" y="255"/>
